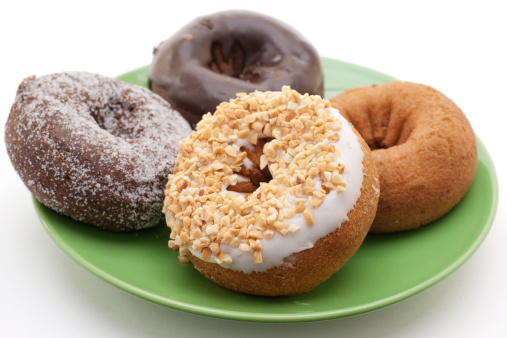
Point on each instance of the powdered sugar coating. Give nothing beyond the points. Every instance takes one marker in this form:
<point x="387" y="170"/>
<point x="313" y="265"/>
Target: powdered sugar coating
<point x="94" y="148"/>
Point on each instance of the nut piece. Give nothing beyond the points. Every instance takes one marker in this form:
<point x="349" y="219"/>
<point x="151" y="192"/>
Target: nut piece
<point x="308" y="217"/>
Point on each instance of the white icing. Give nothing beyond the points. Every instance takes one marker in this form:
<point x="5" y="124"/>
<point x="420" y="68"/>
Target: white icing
<point x="243" y="142"/>
<point x="247" y="163"/>
<point x="328" y="216"/>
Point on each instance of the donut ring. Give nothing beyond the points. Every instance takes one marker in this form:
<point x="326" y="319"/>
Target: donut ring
<point x="296" y="228"/>
<point x="93" y="148"/>
<point x="216" y="56"/>
<point x="423" y="145"/>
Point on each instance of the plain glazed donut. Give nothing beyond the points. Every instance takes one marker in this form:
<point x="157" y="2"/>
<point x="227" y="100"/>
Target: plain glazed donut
<point x="216" y="56"/>
<point x="289" y="233"/>
<point x="423" y="145"/>
<point x="93" y="148"/>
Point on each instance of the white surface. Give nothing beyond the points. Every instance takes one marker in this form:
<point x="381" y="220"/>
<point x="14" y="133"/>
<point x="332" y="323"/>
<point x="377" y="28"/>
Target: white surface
<point x="458" y="48"/>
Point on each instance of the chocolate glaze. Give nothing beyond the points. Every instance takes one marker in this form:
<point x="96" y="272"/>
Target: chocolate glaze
<point x="214" y="57"/>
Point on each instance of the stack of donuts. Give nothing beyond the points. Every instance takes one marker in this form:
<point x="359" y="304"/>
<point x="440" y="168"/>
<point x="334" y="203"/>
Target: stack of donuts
<point x="268" y="189"/>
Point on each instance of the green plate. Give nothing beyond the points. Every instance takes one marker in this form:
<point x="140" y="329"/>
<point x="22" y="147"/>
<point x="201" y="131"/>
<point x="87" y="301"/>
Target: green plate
<point x="386" y="269"/>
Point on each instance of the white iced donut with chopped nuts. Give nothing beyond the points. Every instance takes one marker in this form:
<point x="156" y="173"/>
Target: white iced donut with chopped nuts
<point x="305" y="207"/>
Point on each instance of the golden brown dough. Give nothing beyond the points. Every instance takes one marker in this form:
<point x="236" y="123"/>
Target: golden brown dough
<point x="313" y="266"/>
<point x="423" y="145"/>
<point x="302" y="214"/>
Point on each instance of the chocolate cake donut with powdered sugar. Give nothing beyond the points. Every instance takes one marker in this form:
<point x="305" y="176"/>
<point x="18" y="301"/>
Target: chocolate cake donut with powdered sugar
<point x="94" y="148"/>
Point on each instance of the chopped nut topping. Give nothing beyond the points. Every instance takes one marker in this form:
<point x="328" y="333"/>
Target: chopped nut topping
<point x="302" y="158"/>
<point x="308" y="217"/>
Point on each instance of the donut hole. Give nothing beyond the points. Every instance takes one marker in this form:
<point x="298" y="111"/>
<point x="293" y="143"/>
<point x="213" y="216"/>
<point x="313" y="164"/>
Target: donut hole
<point x="118" y="117"/>
<point x="231" y="59"/>
<point x="230" y="63"/>
<point x="383" y="125"/>
<point x="377" y="143"/>
<point x="251" y="175"/>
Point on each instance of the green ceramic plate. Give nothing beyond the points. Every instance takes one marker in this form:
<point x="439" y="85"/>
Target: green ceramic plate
<point x="385" y="270"/>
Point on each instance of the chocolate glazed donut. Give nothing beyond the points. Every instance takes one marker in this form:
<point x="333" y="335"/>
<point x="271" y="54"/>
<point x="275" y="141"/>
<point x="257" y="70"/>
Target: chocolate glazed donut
<point x="214" y="57"/>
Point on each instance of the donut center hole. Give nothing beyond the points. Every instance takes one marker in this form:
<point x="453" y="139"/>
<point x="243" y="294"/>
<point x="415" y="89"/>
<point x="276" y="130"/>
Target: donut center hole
<point x="383" y="129"/>
<point x="235" y="62"/>
<point x="230" y="63"/>
<point x="251" y="175"/>
<point x="117" y="117"/>
<point x="377" y="144"/>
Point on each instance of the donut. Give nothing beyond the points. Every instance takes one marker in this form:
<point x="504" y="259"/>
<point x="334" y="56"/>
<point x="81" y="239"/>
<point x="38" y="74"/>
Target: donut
<point x="297" y="220"/>
<point x="216" y="56"/>
<point x="423" y="146"/>
<point x="94" y="148"/>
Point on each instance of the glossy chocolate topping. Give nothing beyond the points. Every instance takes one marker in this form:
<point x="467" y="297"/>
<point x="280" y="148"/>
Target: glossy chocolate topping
<point x="214" y="57"/>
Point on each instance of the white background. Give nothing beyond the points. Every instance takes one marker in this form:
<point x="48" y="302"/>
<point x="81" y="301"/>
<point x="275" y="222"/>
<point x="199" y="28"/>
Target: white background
<point x="457" y="47"/>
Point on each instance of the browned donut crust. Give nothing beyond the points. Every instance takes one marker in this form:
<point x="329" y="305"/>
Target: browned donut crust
<point x="423" y="145"/>
<point x="94" y="148"/>
<point x="310" y="267"/>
